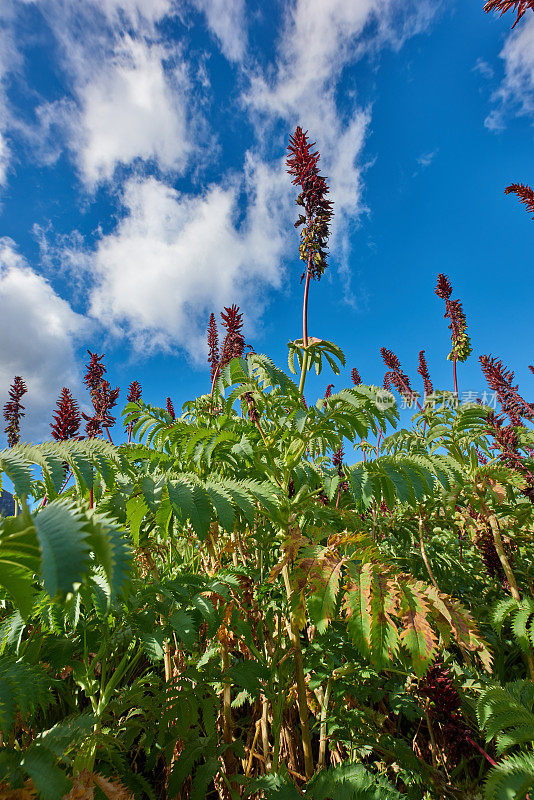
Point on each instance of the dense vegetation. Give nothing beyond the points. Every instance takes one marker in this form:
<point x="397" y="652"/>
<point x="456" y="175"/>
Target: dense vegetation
<point x="221" y="606"/>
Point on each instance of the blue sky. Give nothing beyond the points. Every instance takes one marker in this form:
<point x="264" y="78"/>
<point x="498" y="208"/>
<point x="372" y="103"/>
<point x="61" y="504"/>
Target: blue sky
<point x="142" y="185"/>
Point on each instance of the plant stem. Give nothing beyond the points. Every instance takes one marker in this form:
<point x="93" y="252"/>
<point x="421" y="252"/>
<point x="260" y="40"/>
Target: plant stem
<point x="499" y="546"/>
<point x="455" y="378"/>
<point x="305" y="303"/>
<point x="305" y="325"/>
<point x="514" y="590"/>
<point x="253" y="748"/>
<point x="265" y="732"/>
<point x="322" y="738"/>
<point x="303" y="372"/>
<point x="301" y="683"/>
<point x="424" y="555"/>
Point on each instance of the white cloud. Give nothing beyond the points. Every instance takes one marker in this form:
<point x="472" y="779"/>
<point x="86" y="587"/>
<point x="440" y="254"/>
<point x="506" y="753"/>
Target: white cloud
<point x="175" y="258"/>
<point x="425" y="159"/>
<point x="133" y="108"/>
<point x="516" y="91"/>
<point x="484" y="69"/>
<point x="137" y="95"/>
<point x="226" y="19"/>
<point x="37" y="330"/>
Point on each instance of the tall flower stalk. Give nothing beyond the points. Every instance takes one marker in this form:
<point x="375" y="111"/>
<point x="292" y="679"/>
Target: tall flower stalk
<point x="133" y="396"/>
<point x="422" y="369"/>
<point x="233" y="345"/>
<point x="396" y="377"/>
<point x="67" y="417"/>
<point x="103" y="397"/>
<point x="14" y="411"/>
<point x="461" y="343"/>
<point x="302" y="164"/>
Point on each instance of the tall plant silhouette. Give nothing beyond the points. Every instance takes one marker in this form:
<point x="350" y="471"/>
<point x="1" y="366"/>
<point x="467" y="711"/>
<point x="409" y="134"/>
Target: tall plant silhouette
<point x="302" y="165"/>
<point x="461" y="343"/>
<point x="14" y="410"/>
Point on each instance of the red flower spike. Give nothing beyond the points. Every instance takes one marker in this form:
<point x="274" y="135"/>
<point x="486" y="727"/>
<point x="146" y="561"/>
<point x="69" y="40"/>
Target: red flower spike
<point x="461" y="344"/>
<point x="531" y="368"/>
<point x="102" y="395"/>
<point x="14" y="411"/>
<point x="524" y="193"/>
<point x="423" y="372"/>
<point x="213" y="345"/>
<point x="66" y="417"/>
<point x="328" y="392"/>
<point x="444" y="288"/>
<point x="500" y="380"/>
<point x="355" y="375"/>
<point x="302" y="166"/>
<point x="396" y="377"/>
<point x="93" y="426"/>
<point x="509" y="5"/>
<point x="170" y="408"/>
<point x="134" y="392"/>
<point x="507" y="444"/>
<point x="234" y="343"/>
<point x="95" y="372"/>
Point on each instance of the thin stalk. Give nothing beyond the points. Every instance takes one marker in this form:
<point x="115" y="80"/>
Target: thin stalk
<point x="424" y="555"/>
<point x="253" y="748"/>
<point x="228" y="727"/>
<point x="322" y="738"/>
<point x="488" y="758"/>
<point x="305" y="303"/>
<point x="301" y="683"/>
<point x="265" y="732"/>
<point x="433" y="744"/>
<point x="303" y="371"/>
<point x="514" y="590"/>
<point x="454" y="372"/>
<point x="499" y="546"/>
<point x="305" y="324"/>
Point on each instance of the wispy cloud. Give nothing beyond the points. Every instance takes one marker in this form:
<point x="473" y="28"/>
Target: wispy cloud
<point x="227" y="21"/>
<point x="516" y="91"/>
<point x="425" y="159"/>
<point x="484" y="69"/>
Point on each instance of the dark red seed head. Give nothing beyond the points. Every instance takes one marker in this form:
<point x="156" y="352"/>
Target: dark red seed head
<point x="170" y="408"/>
<point x="134" y="392"/>
<point x="213" y="345"/>
<point x="14" y="410"/>
<point x="443" y="288"/>
<point x="423" y="372"/>
<point x="302" y="165"/>
<point x="234" y="343"/>
<point x="396" y="377"/>
<point x="355" y="375"/>
<point x="95" y="371"/>
<point x="67" y="417"/>
<point x="501" y="380"/>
